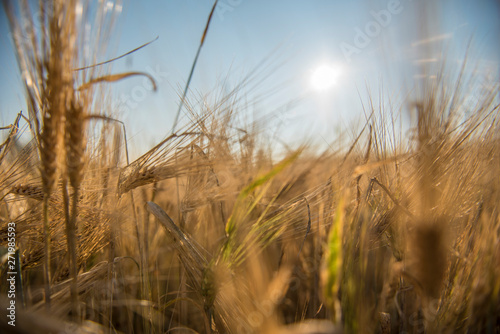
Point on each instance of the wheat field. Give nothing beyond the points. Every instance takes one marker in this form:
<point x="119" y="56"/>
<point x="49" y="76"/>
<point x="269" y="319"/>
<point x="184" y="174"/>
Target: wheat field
<point x="214" y="231"/>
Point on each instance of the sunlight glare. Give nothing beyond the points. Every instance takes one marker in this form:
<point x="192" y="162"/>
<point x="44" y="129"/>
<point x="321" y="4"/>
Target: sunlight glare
<point x="324" y="77"/>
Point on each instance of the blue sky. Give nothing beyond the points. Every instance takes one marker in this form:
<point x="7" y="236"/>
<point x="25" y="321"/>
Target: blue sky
<point x="293" y="38"/>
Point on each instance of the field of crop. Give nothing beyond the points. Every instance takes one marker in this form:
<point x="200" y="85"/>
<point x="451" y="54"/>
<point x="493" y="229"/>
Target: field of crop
<point x="213" y="230"/>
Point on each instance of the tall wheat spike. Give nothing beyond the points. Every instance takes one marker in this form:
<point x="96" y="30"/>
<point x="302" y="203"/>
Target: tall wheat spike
<point x="53" y="100"/>
<point x="46" y="61"/>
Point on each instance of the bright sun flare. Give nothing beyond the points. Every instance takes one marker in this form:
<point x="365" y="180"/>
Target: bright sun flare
<point x="324" y="77"/>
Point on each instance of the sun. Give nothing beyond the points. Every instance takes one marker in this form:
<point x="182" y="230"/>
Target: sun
<point x="324" y="77"/>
